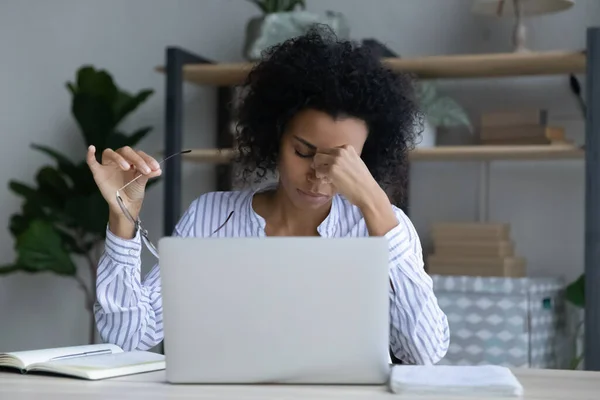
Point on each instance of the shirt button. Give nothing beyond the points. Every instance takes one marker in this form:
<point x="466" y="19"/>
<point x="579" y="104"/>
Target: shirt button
<point x="131" y="252"/>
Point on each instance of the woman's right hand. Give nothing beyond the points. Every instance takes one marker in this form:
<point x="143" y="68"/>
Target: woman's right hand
<point x="117" y="168"/>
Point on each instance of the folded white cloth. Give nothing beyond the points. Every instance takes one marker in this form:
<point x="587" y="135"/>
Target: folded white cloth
<point x="481" y="380"/>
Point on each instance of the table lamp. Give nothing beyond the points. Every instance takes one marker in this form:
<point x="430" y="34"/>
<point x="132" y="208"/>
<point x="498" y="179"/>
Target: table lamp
<point x="519" y="9"/>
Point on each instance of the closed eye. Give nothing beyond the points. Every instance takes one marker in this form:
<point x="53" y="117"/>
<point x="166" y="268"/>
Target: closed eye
<point x="303" y="155"/>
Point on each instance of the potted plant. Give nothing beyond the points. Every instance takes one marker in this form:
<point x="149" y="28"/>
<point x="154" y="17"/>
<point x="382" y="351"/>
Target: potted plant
<point x="284" y="19"/>
<point x="63" y="217"/>
<point x="439" y="111"/>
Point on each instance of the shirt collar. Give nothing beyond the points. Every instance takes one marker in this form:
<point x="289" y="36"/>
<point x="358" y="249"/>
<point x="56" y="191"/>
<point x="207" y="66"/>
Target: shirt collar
<point x="256" y="223"/>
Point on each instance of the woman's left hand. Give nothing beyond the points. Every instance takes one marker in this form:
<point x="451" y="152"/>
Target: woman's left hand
<point x="346" y="171"/>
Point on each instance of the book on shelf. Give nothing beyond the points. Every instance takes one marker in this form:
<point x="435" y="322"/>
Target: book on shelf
<point x="524" y="127"/>
<point x="508" y="118"/>
<point x="522" y="134"/>
<point x="91" y="362"/>
<point x="470" y="230"/>
<point x="474" y="249"/>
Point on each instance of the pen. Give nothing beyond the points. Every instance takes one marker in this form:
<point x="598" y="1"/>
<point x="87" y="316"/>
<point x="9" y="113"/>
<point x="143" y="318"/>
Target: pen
<point x="87" y="353"/>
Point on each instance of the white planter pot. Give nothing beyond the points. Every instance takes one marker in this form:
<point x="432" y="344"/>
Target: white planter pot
<point x="264" y="31"/>
<point x="427" y="137"/>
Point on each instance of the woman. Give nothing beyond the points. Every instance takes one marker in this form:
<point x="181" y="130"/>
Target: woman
<point x="335" y="126"/>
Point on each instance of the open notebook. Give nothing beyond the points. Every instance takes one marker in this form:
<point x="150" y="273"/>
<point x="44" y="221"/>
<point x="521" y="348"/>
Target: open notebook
<point x="97" y="361"/>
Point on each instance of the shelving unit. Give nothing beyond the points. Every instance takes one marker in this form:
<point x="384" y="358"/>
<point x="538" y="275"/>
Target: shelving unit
<point x="442" y="153"/>
<point x="182" y="66"/>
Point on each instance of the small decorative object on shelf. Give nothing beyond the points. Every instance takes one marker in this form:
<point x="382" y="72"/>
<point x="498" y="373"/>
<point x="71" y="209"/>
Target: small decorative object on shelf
<point x="519" y="9"/>
<point x="281" y="20"/>
<point x="439" y="111"/>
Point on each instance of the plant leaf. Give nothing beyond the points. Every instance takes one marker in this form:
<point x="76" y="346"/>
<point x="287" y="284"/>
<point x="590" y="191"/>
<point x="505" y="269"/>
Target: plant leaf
<point x="446" y="112"/>
<point x="10" y="268"/>
<point x="575" y="292"/>
<point x="71" y="244"/>
<point x="35" y="203"/>
<point x="18" y="224"/>
<point x="95" y="118"/>
<point x="426" y="93"/>
<point x="40" y="248"/>
<point x="64" y="164"/>
<point x="90" y="212"/>
<point x="126" y="103"/>
<point x="61" y="159"/>
<point x="118" y="139"/>
<point x="22" y="189"/>
<point x="53" y="186"/>
<point x="83" y="179"/>
<point x="97" y="83"/>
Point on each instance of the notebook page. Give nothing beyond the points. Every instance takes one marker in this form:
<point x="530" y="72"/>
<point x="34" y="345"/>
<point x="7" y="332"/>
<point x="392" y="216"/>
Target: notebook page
<point x="42" y="355"/>
<point x="451" y="379"/>
<point x="111" y="361"/>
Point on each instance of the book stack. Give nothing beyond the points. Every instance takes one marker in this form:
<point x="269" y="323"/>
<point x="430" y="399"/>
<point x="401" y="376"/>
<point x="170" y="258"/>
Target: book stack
<point x="474" y="249"/>
<point x="528" y="127"/>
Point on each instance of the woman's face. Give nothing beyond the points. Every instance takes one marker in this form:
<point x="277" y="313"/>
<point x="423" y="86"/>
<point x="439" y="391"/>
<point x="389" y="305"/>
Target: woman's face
<point x="307" y="132"/>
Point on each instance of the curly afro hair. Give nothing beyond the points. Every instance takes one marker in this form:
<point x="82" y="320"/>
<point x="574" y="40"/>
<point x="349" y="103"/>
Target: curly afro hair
<point x="340" y="78"/>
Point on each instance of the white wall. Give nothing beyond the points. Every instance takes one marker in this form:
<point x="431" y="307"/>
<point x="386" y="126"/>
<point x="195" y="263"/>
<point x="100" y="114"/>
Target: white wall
<point x="43" y="43"/>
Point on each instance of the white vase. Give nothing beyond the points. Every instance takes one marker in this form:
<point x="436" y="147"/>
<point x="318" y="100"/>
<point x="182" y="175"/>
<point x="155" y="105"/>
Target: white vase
<point x="427" y="138"/>
<point x="265" y="31"/>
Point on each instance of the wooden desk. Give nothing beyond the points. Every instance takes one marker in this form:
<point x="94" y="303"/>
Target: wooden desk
<point x="538" y="384"/>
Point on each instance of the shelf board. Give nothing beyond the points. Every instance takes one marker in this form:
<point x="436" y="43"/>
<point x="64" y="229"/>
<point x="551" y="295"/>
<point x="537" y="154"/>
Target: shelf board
<point x="427" y="67"/>
<point x="210" y="156"/>
<point x="497" y="152"/>
<point x="441" y="153"/>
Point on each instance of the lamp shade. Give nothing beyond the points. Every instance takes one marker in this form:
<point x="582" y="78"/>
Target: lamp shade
<point x="506" y="8"/>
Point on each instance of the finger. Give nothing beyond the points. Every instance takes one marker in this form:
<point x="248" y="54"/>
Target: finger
<point x="334" y="151"/>
<point x="152" y="163"/>
<point x="111" y="156"/>
<point x="322" y="171"/>
<point x="91" y="159"/>
<point x="321" y="159"/>
<point x="134" y="159"/>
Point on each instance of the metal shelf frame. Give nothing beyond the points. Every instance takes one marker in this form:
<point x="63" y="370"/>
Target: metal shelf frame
<point x="177" y="58"/>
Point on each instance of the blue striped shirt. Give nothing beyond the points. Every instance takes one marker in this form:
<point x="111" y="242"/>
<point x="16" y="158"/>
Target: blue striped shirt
<point x="129" y="312"/>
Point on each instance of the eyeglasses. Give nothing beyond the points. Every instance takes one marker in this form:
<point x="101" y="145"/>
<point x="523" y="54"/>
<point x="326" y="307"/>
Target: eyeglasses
<point x="136" y="221"/>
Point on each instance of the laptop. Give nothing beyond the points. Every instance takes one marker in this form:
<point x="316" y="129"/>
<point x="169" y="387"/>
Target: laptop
<point x="298" y="310"/>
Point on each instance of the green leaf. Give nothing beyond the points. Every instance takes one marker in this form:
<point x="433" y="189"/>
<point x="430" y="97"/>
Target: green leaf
<point x="95" y="118"/>
<point x="71" y="87"/>
<point x="18" y="224"/>
<point x="83" y="179"/>
<point x="53" y="186"/>
<point x="60" y="159"/>
<point x="292" y="4"/>
<point x="446" y="112"/>
<point x="426" y="94"/>
<point x="40" y="248"/>
<point x="35" y="204"/>
<point x="90" y="212"/>
<point x="118" y="139"/>
<point x="66" y="166"/>
<point x="440" y="110"/>
<point x="71" y="243"/>
<point x="125" y="103"/>
<point x="575" y="292"/>
<point x="22" y="189"/>
<point x="260" y="4"/>
<point x="10" y="268"/>
<point x="97" y="83"/>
